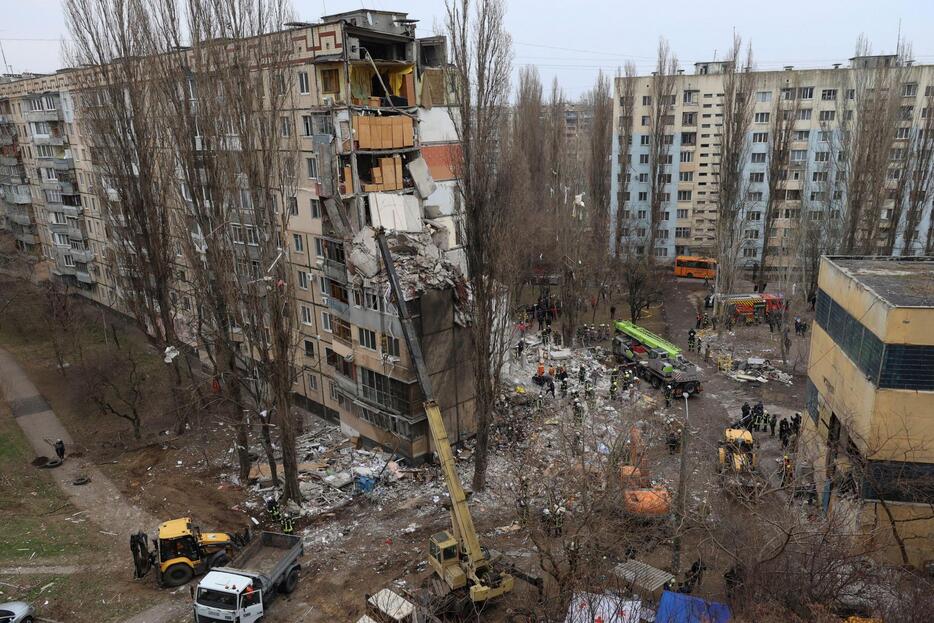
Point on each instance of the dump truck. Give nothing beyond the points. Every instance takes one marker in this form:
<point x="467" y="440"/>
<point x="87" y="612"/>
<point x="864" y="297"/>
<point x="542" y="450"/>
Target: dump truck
<point x="738" y="462"/>
<point x="242" y="590"/>
<point x="181" y="551"/>
<point x="657" y="360"/>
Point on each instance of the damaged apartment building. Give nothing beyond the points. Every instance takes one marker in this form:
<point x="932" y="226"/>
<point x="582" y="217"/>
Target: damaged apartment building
<point x="377" y="145"/>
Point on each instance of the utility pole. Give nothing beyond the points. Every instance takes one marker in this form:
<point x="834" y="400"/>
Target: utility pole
<point x="682" y="492"/>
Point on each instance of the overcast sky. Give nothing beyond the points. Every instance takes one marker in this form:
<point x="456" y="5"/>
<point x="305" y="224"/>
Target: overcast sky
<point x="574" y="40"/>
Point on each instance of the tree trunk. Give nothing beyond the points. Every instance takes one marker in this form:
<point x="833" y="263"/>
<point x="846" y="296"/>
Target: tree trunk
<point x="289" y="456"/>
<point x="270" y="454"/>
<point x="481" y="456"/>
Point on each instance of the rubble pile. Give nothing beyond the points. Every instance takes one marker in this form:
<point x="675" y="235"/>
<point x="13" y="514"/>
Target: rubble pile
<point x="743" y="369"/>
<point x="419" y="261"/>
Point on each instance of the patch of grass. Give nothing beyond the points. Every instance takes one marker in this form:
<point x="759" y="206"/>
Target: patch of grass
<point x="83" y="597"/>
<point x="33" y="510"/>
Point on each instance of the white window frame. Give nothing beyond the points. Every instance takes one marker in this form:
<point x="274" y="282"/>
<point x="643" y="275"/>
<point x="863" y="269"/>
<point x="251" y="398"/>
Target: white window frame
<point x="311" y="168"/>
<point x="326" y="321"/>
<point x="303" y="83"/>
<point x="298" y="243"/>
<point x="306" y="315"/>
<point x="302" y="280"/>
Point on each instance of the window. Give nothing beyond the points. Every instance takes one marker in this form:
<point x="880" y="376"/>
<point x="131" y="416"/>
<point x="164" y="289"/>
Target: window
<point x="53" y="196"/>
<point x="303" y="82"/>
<point x="903" y="133"/>
<point x="806" y="93"/>
<point x="754" y="195"/>
<point x="306" y="314"/>
<point x="646" y="120"/>
<point x="688" y="138"/>
<point x="319" y="247"/>
<point x="309" y="349"/>
<point x="757" y="177"/>
<point x="684" y="195"/>
<point x="60" y="240"/>
<point x="827" y="115"/>
<point x="762" y="117"/>
<point x="326" y="321"/>
<point x="285" y="127"/>
<point x="664" y="178"/>
<point x="643" y="178"/>
<point x="801" y="135"/>
<point x="339" y="292"/>
<point x="754" y="216"/>
<point x="298" y="243"/>
<point x="68" y="260"/>
<point x="689" y="97"/>
<point x="688" y="118"/>
<point x="804" y="114"/>
<point x="315" y="205"/>
<point x="307" y="127"/>
<point x="750" y="252"/>
<point x="644" y="139"/>
<point x="661" y="251"/>
<point x="848" y="115"/>
<point x="682" y="213"/>
<point x="311" y="166"/>
<point x="752" y="234"/>
<point x="823" y="136"/>
<point x="251" y="237"/>
<point x="682" y="232"/>
<point x="687" y="156"/>
<point x="910" y="89"/>
<point x="799" y="155"/>
<point x="896" y="154"/>
<point x="367" y="338"/>
<point x="49" y="175"/>
<point x="760" y="137"/>
<point x="819" y="176"/>
<point x="43" y="151"/>
<point x="828" y="95"/>
<point x="822" y="156"/>
<point x="330" y="80"/>
<point x="788" y="93"/>
<point x="759" y="158"/>
<point x="646" y="100"/>
<point x="906" y="112"/>
<point x="643" y="158"/>
<point x="643" y="196"/>
<point x="686" y="176"/>
<point x="763" y="96"/>
<point x="391" y="346"/>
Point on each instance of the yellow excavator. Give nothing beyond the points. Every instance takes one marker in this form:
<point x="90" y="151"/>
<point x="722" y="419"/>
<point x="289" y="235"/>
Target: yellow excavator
<point x="738" y="463"/>
<point x="464" y="573"/>
<point x="181" y="551"/>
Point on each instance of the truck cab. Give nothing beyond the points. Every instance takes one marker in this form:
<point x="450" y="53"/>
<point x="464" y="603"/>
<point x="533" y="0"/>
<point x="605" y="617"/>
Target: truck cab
<point x="225" y="596"/>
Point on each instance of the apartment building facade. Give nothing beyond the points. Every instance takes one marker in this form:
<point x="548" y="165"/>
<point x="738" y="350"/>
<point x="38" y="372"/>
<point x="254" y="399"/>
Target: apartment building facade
<point x="376" y="147"/>
<point x="819" y="107"/>
<point x="869" y="437"/>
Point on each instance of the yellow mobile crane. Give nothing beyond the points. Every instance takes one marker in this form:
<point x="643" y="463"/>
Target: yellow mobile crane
<point x="458" y="560"/>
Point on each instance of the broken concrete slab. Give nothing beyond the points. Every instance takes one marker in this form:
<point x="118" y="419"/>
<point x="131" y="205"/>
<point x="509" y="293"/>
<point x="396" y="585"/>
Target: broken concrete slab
<point x="421" y="175"/>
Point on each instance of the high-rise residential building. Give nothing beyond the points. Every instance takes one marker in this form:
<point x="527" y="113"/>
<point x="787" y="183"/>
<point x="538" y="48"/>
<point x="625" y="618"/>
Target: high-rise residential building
<point x="377" y="146"/>
<point x="868" y="434"/>
<point x="807" y="138"/>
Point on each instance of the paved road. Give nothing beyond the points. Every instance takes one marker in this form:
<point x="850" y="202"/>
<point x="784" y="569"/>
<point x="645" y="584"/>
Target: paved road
<point x="104" y="503"/>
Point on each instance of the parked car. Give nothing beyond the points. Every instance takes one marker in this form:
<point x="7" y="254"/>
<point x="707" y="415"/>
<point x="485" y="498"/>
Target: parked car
<point x="16" y="612"/>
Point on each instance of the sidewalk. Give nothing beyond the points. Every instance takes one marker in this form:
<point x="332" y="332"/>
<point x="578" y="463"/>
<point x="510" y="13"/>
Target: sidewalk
<point x="100" y="498"/>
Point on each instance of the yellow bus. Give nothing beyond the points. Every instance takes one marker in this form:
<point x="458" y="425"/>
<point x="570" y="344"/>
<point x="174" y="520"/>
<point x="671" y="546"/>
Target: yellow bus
<point x="695" y="267"/>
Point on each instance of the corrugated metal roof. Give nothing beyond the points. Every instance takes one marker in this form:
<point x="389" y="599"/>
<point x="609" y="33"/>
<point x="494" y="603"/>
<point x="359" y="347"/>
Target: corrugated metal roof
<point x="642" y="576"/>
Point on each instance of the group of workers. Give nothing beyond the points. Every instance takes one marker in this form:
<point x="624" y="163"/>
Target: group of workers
<point x="285" y="520"/>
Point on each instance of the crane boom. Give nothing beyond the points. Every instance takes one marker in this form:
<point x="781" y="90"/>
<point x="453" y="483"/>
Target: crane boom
<point x="461" y="520"/>
<point x="647" y="338"/>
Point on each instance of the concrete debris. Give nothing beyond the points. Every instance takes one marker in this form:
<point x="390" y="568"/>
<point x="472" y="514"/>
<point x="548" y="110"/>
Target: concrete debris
<point x="395" y="212"/>
<point x="418" y="169"/>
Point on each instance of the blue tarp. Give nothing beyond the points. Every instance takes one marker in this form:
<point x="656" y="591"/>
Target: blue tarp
<point x="680" y="608"/>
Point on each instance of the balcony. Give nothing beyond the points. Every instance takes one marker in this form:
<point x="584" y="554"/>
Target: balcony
<point x="63" y="164"/>
<point x="83" y="255"/>
<point x="6" y="139"/>
<point x="6" y="119"/>
<point x="60" y="269"/>
<point x="84" y="277"/>
<point x="335" y="270"/>
<point x="48" y="139"/>
<point x="43" y="115"/>
<point x="9" y="161"/>
<point x="21" y="218"/>
<point x="18" y="199"/>
<point x="26" y="237"/>
<point x="345" y="384"/>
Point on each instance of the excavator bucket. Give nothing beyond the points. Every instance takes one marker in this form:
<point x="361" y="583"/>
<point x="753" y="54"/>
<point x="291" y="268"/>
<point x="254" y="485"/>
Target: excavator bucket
<point x="143" y="558"/>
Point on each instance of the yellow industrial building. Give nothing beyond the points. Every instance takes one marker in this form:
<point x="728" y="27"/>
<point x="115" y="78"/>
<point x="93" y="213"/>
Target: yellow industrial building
<point x="870" y="398"/>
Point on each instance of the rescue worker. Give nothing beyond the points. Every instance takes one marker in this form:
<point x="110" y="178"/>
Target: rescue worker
<point x="578" y="412"/>
<point x="589" y="393"/>
<point x="551" y="387"/>
<point x="788" y="471"/>
<point x="673" y="440"/>
<point x="540" y="400"/>
<point x="520" y="346"/>
<point x="60" y="450"/>
<point x="692" y="334"/>
<point x="614" y="390"/>
<point x="772" y="421"/>
<point x="582" y="374"/>
<point x="668" y="392"/>
<point x="287" y="524"/>
<point x="272" y="507"/>
<point x="564" y="386"/>
<point x="614" y="375"/>
<point x="541" y="369"/>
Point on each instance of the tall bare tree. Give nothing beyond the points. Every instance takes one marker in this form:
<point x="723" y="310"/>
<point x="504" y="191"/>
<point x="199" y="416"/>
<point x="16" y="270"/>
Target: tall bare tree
<point x="869" y="114"/>
<point x="626" y="88"/>
<point x="599" y="101"/>
<point x="728" y="173"/>
<point x="233" y="156"/>
<point x="662" y="120"/>
<point x="781" y="130"/>
<point x="481" y="55"/>
<point x="915" y="183"/>
<point x="113" y="40"/>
